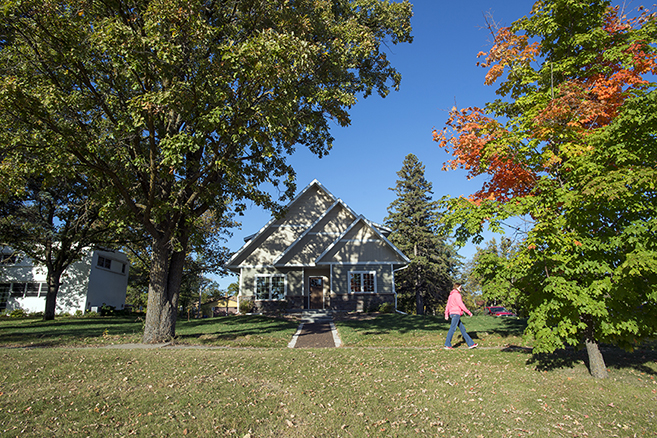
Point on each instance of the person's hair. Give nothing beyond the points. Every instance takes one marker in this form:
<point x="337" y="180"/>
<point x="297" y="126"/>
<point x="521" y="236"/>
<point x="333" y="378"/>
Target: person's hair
<point x="456" y="285"/>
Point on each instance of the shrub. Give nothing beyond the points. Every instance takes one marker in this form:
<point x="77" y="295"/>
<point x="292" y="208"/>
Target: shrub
<point x="18" y="313"/>
<point x="106" y="310"/>
<point x="246" y="306"/>
<point x="386" y="308"/>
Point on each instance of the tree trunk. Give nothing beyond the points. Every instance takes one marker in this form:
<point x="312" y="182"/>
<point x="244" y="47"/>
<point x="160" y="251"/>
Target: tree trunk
<point x="419" y="302"/>
<point x="163" y="291"/>
<point x="597" y="365"/>
<point x="419" y="299"/>
<point x="51" y="296"/>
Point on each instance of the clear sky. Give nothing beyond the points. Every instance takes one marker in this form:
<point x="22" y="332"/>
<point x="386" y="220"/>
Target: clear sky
<point x="438" y="72"/>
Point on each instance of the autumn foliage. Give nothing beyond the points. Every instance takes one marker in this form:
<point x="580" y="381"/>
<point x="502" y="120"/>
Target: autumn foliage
<point x="553" y="124"/>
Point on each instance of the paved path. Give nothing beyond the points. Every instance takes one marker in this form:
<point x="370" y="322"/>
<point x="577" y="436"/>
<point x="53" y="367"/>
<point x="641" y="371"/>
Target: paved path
<point x="322" y="334"/>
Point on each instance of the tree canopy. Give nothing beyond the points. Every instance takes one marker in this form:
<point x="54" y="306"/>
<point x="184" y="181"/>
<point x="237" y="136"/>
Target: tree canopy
<point x="52" y="219"/>
<point x="570" y="144"/>
<point x="187" y="108"/>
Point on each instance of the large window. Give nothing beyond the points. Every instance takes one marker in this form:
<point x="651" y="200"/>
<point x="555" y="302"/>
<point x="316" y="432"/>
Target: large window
<point x="23" y="290"/>
<point x="362" y="282"/>
<point x="18" y="290"/>
<point x="270" y="287"/>
<point x="105" y="263"/>
<point x="32" y="290"/>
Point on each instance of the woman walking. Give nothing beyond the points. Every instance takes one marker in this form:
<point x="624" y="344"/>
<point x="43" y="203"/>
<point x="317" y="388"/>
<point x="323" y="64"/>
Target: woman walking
<point x="454" y="310"/>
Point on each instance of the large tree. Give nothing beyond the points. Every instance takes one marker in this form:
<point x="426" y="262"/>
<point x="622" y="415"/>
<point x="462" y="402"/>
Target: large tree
<point x="412" y="217"/>
<point x="53" y="219"/>
<point x="571" y="144"/>
<point x="187" y="107"/>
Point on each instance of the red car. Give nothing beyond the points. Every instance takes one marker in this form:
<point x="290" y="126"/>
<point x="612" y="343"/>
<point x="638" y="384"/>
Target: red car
<point x="498" y="311"/>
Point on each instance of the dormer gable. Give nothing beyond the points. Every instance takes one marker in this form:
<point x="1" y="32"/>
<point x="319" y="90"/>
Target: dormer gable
<point x="317" y="238"/>
<point x="362" y="243"/>
<point x="278" y="234"/>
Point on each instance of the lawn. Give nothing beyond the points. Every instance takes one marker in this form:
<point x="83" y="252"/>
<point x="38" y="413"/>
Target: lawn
<point x="364" y="390"/>
<point x="233" y="331"/>
<point x="395" y="330"/>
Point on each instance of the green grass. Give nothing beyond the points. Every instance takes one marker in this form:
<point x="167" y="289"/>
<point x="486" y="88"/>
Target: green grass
<point x="413" y="388"/>
<point x="394" y="330"/>
<point x="233" y="331"/>
<point x="324" y="393"/>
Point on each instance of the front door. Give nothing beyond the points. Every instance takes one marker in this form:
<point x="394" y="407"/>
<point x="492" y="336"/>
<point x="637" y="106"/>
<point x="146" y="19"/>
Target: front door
<point x="316" y="292"/>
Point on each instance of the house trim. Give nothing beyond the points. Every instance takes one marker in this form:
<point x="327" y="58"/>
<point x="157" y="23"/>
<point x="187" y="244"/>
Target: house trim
<point x="252" y="241"/>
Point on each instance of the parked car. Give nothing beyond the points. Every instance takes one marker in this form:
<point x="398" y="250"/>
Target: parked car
<point x="498" y="311"/>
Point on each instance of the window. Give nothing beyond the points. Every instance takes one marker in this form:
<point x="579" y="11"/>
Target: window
<point x="32" y="290"/>
<point x="270" y="287"/>
<point x="104" y="263"/>
<point x="361" y="282"/>
<point x="17" y="290"/>
<point x="4" y="295"/>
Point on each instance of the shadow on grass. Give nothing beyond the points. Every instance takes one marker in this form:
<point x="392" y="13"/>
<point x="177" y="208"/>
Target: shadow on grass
<point x="388" y="323"/>
<point x="615" y="358"/>
<point x="73" y="331"/>
<point x="65" y="331"/>
<point x="213" y="330"/>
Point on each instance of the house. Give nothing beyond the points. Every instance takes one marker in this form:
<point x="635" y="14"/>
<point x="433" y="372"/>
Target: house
<point x="320" y="255"/>
<point x="223" y="306"/>
<point x="100" y="277"/>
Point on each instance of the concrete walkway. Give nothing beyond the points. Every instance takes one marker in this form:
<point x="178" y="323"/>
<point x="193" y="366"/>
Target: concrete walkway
<point x="316" y="331"/>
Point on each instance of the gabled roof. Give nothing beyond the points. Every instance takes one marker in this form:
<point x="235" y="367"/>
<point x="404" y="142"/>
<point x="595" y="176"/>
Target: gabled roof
<point x="329" y="255"/>
<point x="316" y="230"/>
<point x="253" y="238"/>
<point x="317" y="237"/>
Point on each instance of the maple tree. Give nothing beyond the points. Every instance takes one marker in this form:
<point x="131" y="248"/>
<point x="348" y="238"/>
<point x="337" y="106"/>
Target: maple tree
<point x="187" y="109"/>
<point x="570" y="143"/>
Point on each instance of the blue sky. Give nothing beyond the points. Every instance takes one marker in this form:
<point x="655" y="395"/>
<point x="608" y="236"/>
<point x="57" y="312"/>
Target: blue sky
<point x="438" y="71"/>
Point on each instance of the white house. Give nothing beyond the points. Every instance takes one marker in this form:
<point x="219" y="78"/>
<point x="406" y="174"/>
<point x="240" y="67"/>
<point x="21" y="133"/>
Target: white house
<point x="100" y="277"/>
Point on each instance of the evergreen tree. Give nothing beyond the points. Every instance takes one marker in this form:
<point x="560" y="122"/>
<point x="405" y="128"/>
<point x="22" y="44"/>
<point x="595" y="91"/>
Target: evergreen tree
<point x="412" y="217"/>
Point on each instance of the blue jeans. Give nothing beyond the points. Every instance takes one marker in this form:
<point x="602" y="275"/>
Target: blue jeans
<point x="456" y="322"/>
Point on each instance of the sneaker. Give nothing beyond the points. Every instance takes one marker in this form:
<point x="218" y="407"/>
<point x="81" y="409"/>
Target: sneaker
<point x="473" y="346"/>
<point x="448" y="348"/>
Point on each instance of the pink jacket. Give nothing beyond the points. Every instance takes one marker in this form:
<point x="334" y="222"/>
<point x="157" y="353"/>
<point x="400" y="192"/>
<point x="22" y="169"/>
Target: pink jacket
<point x="455" y="304"/>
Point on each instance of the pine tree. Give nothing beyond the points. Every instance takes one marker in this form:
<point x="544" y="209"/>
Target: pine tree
<point x="426" y="282"/>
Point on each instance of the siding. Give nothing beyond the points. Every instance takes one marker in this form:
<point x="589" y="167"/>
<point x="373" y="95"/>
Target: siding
<point x="307" y="209"/>
<point x="309" y="247"/>
<point x="265" y="248"/>
<point x="271" y="244"/>
<point x="320" y="237"/>
<point x="361" y="245"/>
